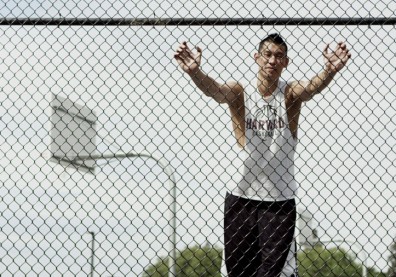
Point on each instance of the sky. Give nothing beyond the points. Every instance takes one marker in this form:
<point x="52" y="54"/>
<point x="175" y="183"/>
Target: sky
<point x="198" y="8"/>
<point x="345" y="157"/>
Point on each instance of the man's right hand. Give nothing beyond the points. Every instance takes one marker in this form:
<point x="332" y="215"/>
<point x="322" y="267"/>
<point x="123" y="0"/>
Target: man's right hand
<point x="188" y="61"/>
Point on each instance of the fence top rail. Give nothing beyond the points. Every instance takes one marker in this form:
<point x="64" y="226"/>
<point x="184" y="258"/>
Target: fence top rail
<point x="195" y="21"/>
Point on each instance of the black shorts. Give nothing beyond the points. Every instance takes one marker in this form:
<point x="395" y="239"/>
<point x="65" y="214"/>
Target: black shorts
<point x="258" y="236"/>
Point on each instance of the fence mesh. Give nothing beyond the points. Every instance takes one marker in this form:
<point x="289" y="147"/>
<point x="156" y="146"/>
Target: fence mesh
<point x="114" y="163"/>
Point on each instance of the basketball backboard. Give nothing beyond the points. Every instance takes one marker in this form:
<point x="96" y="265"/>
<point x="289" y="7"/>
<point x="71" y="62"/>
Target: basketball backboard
<point x="73" y="133"/>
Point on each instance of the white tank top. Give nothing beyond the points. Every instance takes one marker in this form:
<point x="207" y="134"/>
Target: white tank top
<point x="268" y="173"/>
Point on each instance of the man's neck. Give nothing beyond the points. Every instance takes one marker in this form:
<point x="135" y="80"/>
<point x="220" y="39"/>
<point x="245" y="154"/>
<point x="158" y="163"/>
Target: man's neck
<point x="266" y="87"/>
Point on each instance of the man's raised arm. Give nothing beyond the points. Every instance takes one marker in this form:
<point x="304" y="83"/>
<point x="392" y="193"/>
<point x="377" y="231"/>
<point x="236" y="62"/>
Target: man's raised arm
<point x="190" y="63"/>
<point x="334" y="62"/>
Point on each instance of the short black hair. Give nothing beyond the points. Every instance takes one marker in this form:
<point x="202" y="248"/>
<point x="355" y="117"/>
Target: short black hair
<point x="275" y="38"/>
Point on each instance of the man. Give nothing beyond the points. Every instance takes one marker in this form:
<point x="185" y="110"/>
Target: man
<point x="260" y="212"/>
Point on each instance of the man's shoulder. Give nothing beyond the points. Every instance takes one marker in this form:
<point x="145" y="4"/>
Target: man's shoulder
<point x="287" y="84"/>
<point x="290" y="86"/>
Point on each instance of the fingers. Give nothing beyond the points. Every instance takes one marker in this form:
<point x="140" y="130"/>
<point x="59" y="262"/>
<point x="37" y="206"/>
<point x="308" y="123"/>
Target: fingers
<point x="184" y="52"/>
<point x="179" y="60"/>
<point x="344" y="53"/>
<point x="199" y="50"/>
<point x="198" y="55"/>
<point x="340" y="51"/>
<point x="326" y="48"/>
<point x="342" y="47"/>
<point x="187" y="60"/>
<point x="346" y="57"/>
<point x="336" y="59"/>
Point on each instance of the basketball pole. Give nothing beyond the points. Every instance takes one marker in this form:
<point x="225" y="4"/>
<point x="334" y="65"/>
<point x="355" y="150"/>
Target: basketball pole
<point x="92" y="253"/>
<point x="165" y="165"/>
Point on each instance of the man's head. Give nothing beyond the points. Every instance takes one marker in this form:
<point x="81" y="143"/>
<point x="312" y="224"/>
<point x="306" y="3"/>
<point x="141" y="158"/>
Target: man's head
<point x="274" y="38"/>
<point x="272" y="57"/>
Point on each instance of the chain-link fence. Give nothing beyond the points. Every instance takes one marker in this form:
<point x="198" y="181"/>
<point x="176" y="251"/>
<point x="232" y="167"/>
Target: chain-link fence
<point x="114" y="162"/>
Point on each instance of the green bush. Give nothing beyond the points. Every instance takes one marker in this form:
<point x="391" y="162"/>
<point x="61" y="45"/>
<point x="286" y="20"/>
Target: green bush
<point x="205" y="261"/>
<point x="191" y="262"/>
<point x="334" y="262"/>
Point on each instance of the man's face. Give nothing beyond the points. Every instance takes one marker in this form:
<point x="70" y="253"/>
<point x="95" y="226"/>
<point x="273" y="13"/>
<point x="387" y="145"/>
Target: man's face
<point x="272" y="59"/>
